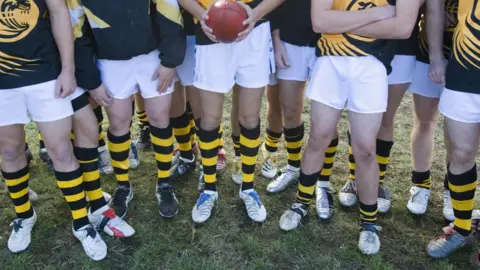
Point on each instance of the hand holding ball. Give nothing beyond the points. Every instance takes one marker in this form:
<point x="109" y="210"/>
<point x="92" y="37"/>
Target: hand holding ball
<point x="225" y="18"/>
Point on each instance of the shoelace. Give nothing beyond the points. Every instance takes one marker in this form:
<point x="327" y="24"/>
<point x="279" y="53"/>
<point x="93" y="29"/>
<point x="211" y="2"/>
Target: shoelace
<point x="90" y="232"/>
<point x="166" y="192"/>
<point x="351" y="188"/>
<point x="17" y="225"/>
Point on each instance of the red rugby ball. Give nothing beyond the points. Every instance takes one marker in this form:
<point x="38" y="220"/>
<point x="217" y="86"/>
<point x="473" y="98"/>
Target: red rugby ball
<point x="226" y="17"/>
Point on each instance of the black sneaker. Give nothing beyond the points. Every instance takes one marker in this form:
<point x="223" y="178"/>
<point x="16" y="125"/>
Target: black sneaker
<point x="120" y="200"/>
<point x="46" y="158"/>
<point x="183" y="168"/>
<point x="167" y="201"/>
<point x="143" y="141"/>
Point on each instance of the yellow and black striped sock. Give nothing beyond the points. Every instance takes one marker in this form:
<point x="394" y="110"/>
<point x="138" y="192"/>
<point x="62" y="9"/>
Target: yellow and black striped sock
<point x="119" y="147"/>
<point x="41" y="143"/>
<point x="220" y="137"/>
<point x="181" y="130"/>
<point x="249" y="145"/>
<point x="99" y="116"/>
<point x="272" y="140"/>
<point x="71" y="185"/>
<point x="351" y="159"/>
<point x="236" y="145"/>
<point x="306" y="188"/>
<point x="88" y="159"/>
<point x="293" y="141"/>
<point x="162" y="140"/>
<point x="142" y="118"/>
<point x="422" y="179"/>
<point x="368" y="213"/>
<point x="193" y="127"/>
<point x="328" y="161"/>
<point x="462" y="191"/>
<point x="208" y="142"/>
<point x="384" y="149"/>
<point x="17" y="184"/>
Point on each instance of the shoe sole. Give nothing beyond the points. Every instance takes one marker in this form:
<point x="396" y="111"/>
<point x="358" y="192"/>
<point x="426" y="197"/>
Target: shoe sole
<point x="165" y="216"/>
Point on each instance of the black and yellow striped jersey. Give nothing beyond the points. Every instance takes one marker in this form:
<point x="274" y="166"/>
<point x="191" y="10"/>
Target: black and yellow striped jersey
<point x="293" y="20"/>
<point x="122" y="29"/>
<point x="28" y="53"/>
<point x="451" y="7"/>
<point x="348" y="44"/>
<point x="201" y="38"/>
<point x="463" y="68"/>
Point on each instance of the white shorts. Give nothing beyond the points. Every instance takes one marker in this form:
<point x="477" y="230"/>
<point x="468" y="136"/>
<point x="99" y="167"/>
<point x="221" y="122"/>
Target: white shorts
<point x="124" y="77"/>
<point x="37" y="102"/>
<point x="358" y="83"/>
<point x="186" y="71"/>
<point x="422" y="85"/>
<point x="301" y="60"/>
<point x="460" y="106"/>
<point x="247" y="63"/>
<point x="403" y="67"/>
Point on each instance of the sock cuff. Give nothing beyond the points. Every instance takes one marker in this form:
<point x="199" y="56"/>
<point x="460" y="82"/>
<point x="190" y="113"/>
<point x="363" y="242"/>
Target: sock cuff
<point x="85" y="154"/>
<point x="251" y="134"/>
<point x="294" y="132"/>
<point x="161" y="133"/>
<point x="273" y="134"/>
<point x="333" y="143"/>
<point x="140" y="112"/>
<point x="308" y="179"/>
<point x="368" y="207"/>
<point x="118" y="139"/>
<point x="68" y="176"/>
<point x="420" y="176"/>
<point x="207" y="136"/>
<point x="236" y="139"/>
<point x="465" y="178"/>
<point x="181" y="121"/>
<point x="15" y="175"/>
<point x="384" y="148"/>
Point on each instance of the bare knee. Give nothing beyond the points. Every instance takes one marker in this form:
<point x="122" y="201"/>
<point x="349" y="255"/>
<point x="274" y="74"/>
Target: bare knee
<point x="211" y="121"/>
<point x="159" y="119"/>
<point x="249" y="121"/>
<point x="319" y="140"/>
<point x="291" y="114"/>
<point x="425" y="126"/>
<point x="85" y="130"/>
<point x="463" y="154"/>
<point x="364" y="151"/>
<point x="119" y="125"/>
<point x="12" y="152"/>
<point x="61" y="152"/>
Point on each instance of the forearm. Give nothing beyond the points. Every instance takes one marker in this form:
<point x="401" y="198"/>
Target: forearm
<point x="338" y="22"/>
<point x="267" y="6"/>
<point x="386" y="29"/>
<point x="62" y="32"/>
<point x="193" y="7"/>
<point x="435" y="27"/>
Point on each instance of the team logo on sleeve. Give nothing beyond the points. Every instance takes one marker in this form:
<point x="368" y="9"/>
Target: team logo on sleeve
<point x="17" y="19"/>
<point x="466" y="41"/>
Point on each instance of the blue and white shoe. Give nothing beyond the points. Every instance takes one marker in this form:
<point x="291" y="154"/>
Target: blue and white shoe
<point x="133" y="157"/>
<point x="447" y="243"/>
<point x="369" y="240"/>
<point x="203" y="208"/>
<point x="255" y="208"/>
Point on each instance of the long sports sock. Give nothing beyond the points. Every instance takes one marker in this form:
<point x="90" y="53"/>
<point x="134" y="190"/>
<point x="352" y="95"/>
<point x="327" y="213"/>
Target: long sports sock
<point x="119" y="147"/>
<point x="249" y="145"/>
<point x="162" y="139"/>
<point x="193" y="127"/>
<point x="236" y="145"/>
<point x="208" y="142"/>
<point x="330" y="156"/>
<point x="422" y="179"/>
<point x="384" y="149"/>
<point x="41" y="143"/>
<point x="306" y="188"/>
<point x="71" y="185"/>
<point x="462" y="191"/>
<point x="272" y="140"/>
<point x="182" y="132"/>
<point x="293" y="141"/>
<point x="142" y="117"/>
<point x="368" y="213"/>
<point x="17" y="184"/>
<point x="99" y="116"/>
<point x="88" y="159"/>
<point x="351" y="159"/>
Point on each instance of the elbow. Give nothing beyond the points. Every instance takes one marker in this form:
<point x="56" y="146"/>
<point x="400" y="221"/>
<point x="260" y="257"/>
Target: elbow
<point x="404" y="32"/>
<point x="318" y="26"/>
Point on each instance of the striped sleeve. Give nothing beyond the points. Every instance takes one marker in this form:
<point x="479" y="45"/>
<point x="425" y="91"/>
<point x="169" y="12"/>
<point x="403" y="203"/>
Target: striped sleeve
<point x="86" y="72"/>
<point x="172" y="38"/>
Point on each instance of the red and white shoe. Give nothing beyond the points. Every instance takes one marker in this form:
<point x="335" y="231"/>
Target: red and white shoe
<point x="222" y="160"/>
<point x="105" y="219"/>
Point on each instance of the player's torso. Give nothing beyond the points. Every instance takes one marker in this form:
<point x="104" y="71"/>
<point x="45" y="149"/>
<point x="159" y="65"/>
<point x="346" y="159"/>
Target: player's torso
<point x="451" y="8"/>
<point x="348" y="44"/>
<point x="296" y="23"/>
<point x="117" y="13"/>
<point x="27" y="47"/>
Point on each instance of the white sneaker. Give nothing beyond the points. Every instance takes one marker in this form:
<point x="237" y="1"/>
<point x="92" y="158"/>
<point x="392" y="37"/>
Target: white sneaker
<point x="255" y="208"/>
<point x="21" y="235"/>
<point x="105" y="219"/>
<point x="418" y="202"/>
<point x="384" y="199"/>
<point x="324" y="200"/>
<point x="269" y="166"/>
<point x="348" y="194"/>
<point x="204" y="206"/>
<point x="237" y="171"/>
<point x="32" y="195"/>
<point x="92" y="242"/>
<point x="289" y="175"/>
<point x="369" y="240"/>
<point x="447" y="206"/>
<point x="293" y="217"/>
<point x="104" y="161"/>
<point x="133" y="157"/>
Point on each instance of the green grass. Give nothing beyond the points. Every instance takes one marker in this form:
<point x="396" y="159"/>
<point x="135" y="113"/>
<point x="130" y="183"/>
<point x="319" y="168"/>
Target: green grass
<point x="229" y="240"/>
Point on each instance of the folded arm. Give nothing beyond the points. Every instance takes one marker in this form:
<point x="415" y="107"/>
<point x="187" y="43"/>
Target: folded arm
<point x="435" y="27"/>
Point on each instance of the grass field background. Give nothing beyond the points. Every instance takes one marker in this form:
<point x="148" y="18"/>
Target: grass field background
<point x="229" y="240"/>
